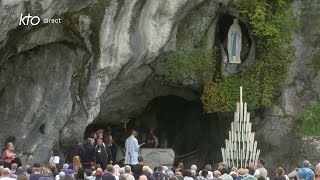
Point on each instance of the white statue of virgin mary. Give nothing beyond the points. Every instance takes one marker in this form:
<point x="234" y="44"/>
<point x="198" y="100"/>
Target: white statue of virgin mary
<point x="234" y="42"/>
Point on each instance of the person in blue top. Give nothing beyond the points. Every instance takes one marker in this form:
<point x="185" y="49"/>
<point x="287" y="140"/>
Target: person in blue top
<point x="305" y="173"/>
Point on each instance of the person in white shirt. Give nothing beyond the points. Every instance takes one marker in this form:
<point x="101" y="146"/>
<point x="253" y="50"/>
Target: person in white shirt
<point x="132" y="149"/>
<point x="54" y="157"/>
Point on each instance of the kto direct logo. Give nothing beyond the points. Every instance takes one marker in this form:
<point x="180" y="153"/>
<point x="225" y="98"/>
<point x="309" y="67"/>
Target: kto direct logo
<point x="35" y="20"/>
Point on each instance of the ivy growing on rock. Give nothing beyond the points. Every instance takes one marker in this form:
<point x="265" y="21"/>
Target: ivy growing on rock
<point x="190" y="65"/>
<point x="193" y="63"/>
<point x="309" y="123"/>
<point x="315" y="63"/>
<point x="221" y="96"/>
<point x="271" y="24"/>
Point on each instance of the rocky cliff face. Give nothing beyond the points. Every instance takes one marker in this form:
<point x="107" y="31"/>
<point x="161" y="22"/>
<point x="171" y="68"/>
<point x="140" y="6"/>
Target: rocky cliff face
<point x="102" y="64"/>
<point x="54" y="75"/>
<point x="277" y="126"/>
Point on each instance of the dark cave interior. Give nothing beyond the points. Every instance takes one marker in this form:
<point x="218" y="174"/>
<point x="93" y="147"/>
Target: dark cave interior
<point x="183" y="123"/>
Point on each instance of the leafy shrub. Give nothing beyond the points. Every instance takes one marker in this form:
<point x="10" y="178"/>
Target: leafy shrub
<point x="189" y="65"/>
<point x="309" y="123"/>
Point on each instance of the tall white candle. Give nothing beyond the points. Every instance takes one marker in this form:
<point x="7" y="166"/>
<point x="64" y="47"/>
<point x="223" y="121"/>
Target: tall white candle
<point x="248" y="117"/>
<point x="240" y="93"/>
<point x="223" y="156"/>
<point x="245" y="113"/>
<point x="258" y="154"/>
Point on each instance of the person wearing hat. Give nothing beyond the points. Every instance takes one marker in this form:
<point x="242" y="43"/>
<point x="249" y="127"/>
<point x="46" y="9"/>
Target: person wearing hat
<point x="241" y="174"/>
<point x="99" y="174"/>
<point x="69" y="175"/>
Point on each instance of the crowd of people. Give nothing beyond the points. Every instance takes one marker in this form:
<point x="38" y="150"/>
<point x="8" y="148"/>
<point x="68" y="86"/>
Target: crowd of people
<point x="141" y="171"/>
<point x="94" y="161"/>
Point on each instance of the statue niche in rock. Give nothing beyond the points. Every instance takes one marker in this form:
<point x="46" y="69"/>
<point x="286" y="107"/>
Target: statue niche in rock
<point x="234" y="42"/>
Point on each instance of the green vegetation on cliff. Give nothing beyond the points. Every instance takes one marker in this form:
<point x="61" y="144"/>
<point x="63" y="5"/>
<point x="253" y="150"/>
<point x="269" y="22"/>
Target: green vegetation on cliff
<point x="223" y="95"/>
<point x="315" y="63"/>
<point x="194" y="61"/>
<point x="270" y="25"/>
<point x="190" y="65"/>
<point x="309" y="123"/>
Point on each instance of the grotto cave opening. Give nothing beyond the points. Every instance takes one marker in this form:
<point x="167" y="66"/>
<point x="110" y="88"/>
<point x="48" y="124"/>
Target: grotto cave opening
<point x="180" y="124"/>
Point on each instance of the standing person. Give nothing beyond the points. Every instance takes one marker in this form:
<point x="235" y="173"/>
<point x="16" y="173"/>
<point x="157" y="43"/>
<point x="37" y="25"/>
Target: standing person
<point x="151" y="140"/>
<point x="132" y="149"/>
<point x="20" y="175"/>
<point x="102" y="154"/>
<point x="306" y="172"/>
<point x="241" y="174"/>
<point x="179" y="167"/>
<point x="79" y="171"/>
<point x="146" y="171"/>
<point x="87" y="154"/>
<point x="261" y="171"/>
<point x="99" y="174"/>
<point x="108" y="175"/>
<point x="5" y="174"/>
<point x="69" y="175"/>
<point x="223" y="168"/>
<point x="294" y="174"/>
<point x="317" y="172"/>
<point x="137" y="169"/>
<point x="202" y="175"/>
<point x="54" y="157"/>
<point x="250" y="175"/>
<point x="109" y="142"/>
<point x="14" y="168"/>
<point x="127" y="173"/>
<point x="45" y="175"/>
<point x="280" y="174"/>
<point x="53" y="169"/>
<point x="8" y="156"/>
<point x="187" y="175"/>
<point x="35" y="174"/>
<point x="27" y="170"/>
<point x="160" y="175"/>
<point x="116" y="171"/>
<point x="74" y="150"/>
